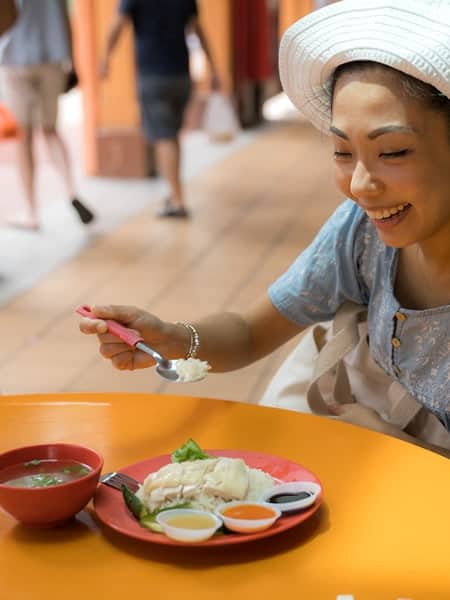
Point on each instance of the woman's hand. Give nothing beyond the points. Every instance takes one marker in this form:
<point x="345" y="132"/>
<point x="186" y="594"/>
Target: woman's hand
<point x="167" y="338"/>
<point x="356" y="414"/>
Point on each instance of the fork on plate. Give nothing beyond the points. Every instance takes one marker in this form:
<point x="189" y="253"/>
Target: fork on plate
<point x="116" y="479"/>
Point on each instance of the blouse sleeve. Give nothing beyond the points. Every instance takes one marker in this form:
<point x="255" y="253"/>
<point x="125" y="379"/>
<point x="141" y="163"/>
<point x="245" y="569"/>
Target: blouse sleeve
<point x="127" y="7"/>
<point x="193" y="8"/>
<point x="326" y="274"/>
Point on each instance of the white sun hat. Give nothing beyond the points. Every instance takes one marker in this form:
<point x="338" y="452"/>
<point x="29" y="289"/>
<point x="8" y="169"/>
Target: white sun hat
<point x="412" y="36"/>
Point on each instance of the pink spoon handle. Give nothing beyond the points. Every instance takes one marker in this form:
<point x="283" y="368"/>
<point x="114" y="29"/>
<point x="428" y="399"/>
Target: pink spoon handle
<point x="123" y="333"/>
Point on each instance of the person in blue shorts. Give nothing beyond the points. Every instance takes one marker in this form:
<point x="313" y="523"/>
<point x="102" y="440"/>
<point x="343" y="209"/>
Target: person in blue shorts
<point x="375" y="75"/>
<point x="163" y="79"/>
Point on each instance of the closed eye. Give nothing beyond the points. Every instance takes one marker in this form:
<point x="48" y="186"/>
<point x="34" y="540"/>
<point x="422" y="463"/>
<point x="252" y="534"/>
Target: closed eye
<point x="395" y="154"/>
<point x="342" y="154"/>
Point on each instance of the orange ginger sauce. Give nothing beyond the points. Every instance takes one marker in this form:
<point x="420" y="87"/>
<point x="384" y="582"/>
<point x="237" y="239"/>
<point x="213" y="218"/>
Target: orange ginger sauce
<point x="248" y="512"/>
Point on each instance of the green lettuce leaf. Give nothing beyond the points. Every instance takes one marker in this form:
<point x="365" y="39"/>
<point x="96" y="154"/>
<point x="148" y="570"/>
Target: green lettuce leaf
<point x="189" y="451"/>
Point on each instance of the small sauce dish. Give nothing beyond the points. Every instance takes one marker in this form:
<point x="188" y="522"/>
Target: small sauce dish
<point x="292" y="496"/>
<point x="188" y="525"/>
<point x="247" y="516"/>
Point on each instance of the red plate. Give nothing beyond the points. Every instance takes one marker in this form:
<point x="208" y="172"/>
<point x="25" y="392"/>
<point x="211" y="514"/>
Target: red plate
<point x="111" y="510"/>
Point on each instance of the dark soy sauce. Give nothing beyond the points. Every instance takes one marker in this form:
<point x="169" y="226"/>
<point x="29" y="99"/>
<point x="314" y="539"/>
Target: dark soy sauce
<point x="284" y="497"/>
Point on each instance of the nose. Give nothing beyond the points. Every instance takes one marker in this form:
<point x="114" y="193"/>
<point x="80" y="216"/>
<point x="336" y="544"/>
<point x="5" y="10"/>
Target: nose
<point x="363" y="181"/>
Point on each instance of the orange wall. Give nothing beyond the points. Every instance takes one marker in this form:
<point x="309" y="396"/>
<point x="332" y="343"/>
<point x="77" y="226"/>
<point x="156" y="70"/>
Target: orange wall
<point x="216" y="20"/>
<point x="108" y="104"/>
<point x="83" y="21"/>
<point x="292" y="10"/>
<point x="117" y="95"/>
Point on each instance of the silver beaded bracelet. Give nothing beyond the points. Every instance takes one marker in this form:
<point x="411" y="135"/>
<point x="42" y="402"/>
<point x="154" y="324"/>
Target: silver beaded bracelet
<point x="194" y="343"/>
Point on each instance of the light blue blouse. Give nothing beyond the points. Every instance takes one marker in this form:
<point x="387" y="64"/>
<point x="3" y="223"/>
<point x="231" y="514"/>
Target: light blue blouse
<point x="348" y="261"/>
<point x="40" y="34"/>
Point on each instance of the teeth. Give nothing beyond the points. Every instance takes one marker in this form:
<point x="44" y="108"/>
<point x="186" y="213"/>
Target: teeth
<point x="385" y="212"/>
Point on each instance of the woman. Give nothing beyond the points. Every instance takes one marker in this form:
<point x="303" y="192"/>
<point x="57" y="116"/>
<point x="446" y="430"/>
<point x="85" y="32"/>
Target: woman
<point x="386" y="105"/>
<point x="34" y="59"/>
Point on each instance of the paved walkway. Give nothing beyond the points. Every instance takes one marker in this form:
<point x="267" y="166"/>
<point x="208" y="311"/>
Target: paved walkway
<point x="253" y="211"/>
<point x="25" y="257"/>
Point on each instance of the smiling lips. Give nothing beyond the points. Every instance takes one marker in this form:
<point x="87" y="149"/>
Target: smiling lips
<point x="386" y="213"/>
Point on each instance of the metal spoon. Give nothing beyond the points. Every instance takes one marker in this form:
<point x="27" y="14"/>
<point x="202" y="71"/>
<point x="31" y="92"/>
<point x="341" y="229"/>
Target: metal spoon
<point x="165" y="367"/>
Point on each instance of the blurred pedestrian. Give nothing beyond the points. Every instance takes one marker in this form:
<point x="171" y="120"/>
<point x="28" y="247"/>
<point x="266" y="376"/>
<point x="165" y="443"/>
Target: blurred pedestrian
<point x="163" y="78"/>
<point x="35" y="68"/>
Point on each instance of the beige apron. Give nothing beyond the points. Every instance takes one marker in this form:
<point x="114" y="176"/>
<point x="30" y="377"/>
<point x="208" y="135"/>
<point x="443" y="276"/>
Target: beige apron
<point x="332" y="363"/>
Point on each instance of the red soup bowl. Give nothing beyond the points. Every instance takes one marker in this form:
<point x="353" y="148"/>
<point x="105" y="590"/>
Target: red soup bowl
<point x="46" y="485"/>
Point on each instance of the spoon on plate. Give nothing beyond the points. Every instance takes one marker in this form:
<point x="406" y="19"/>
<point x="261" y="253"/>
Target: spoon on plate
<point x="166" y="368"/>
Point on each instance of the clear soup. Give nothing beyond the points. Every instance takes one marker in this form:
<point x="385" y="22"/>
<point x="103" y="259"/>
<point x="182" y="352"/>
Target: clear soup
<point x="43" y="473"/>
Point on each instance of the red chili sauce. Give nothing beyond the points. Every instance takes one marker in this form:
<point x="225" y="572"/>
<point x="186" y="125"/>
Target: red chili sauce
<point x="248" y="512"/>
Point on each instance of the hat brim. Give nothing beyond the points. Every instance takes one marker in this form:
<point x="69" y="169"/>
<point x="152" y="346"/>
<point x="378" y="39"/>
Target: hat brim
<point x="412" y="36"/>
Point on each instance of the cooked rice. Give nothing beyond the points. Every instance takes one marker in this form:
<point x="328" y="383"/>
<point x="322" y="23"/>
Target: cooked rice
<point x="191" y="369"/>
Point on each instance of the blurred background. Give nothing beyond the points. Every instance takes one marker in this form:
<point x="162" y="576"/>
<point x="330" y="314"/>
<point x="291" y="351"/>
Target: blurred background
<point x="257" y="197"/>
<point x="244" y="37"/>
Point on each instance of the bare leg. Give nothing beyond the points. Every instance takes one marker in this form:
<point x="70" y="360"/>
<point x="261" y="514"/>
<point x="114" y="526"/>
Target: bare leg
<point x="60" y="158"/>
<point x="27" y="170"/>
<point x="168" y="160"/>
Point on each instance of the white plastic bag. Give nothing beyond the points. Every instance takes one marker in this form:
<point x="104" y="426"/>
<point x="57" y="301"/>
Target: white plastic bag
<point x="220" y="121"/>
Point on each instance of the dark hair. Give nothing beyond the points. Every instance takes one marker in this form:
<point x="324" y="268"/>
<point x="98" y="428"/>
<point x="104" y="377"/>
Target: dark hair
<point x="412" y="87"/>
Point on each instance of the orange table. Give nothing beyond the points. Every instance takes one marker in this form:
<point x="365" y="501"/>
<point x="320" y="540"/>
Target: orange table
<point x="382" y="533"/>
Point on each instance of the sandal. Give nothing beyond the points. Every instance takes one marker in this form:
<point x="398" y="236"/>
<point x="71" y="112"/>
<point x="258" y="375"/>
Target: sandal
<point x="86" y="216"/>
<point x="173" y="211"/>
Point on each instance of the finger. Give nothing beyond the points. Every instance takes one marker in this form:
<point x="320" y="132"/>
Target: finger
<point x="123" y="314"/>
<point x="110" y="338"/>
<point x="124" y="361"/>
<point x="88" y="325"/>
<point x="111" y="349"/>
<point x="124" y="357"/>
<point x="131" y="360"/>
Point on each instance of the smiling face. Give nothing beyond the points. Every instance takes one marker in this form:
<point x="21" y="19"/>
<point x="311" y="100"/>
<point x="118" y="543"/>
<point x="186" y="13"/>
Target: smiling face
<point x="392" y="157"/>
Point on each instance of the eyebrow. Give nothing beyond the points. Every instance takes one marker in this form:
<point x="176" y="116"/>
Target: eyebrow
<point x="376" y="132"/>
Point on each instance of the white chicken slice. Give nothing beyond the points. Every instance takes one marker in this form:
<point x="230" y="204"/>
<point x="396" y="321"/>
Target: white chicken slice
<point x="168" y="476"/>
<point x="172" y="478"/>
<point x="229" y="479"/>
<point x="160" y="496"/>
<point x="190" y="491"/>
<point x="194" y="471"/>
<point x="156" y="498"/>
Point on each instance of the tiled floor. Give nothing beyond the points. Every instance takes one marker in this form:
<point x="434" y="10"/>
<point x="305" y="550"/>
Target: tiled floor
<point x="253" y="211"/>
<point x="26" y="257"/>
